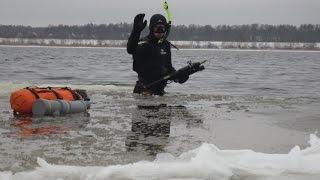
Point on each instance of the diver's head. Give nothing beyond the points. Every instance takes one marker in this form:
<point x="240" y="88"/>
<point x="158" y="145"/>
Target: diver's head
<point x="158" y="26"/>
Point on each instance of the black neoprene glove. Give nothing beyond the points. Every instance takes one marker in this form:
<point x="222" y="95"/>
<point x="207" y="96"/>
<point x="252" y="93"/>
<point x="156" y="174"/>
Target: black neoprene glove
<point x="181" y="78"/>
<point x="139" y="24"/>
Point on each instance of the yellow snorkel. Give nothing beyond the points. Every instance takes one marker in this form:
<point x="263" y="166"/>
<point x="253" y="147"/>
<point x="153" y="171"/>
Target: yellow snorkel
<point x="168" y="12"/>
<point x="170" y="19"/>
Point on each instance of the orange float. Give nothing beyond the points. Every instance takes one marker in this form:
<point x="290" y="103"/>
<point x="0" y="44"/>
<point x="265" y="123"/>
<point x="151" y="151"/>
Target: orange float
<point x="21" y="101"/>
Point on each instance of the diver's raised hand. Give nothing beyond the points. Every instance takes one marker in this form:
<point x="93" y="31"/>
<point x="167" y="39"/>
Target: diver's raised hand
<point x="139" y="24"/>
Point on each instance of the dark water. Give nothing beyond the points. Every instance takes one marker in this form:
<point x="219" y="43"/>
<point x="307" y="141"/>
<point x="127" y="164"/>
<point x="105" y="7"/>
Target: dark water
<point x="266" y="101"/>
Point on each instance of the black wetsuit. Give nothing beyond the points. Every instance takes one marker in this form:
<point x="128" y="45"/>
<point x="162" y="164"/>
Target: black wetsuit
<point x="151" y="60"/>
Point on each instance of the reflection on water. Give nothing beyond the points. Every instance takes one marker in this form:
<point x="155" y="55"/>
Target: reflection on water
<point x="24" y="125"/>
<point x="28" y="126"/>
<point x="150" y="130"/>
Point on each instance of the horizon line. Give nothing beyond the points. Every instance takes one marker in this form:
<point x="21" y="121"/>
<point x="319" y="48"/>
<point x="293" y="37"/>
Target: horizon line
<point x="49" y="25"/>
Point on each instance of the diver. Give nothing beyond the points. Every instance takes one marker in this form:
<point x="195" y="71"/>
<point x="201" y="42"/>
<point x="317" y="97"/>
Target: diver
<point x="152" y="55"/>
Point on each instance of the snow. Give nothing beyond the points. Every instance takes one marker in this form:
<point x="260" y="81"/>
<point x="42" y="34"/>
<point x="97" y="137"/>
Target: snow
<point x="205" y="162"/>
<point x="181" y="44"/>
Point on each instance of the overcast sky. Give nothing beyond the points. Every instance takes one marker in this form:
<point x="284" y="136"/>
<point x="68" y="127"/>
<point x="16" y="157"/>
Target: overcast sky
<point x="213" y="12"/>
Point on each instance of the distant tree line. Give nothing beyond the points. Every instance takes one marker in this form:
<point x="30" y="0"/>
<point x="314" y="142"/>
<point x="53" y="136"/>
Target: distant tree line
<point x="121" y="31"/>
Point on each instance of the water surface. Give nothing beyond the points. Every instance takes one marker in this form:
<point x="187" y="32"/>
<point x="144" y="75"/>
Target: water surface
<point x="265" y="101"/>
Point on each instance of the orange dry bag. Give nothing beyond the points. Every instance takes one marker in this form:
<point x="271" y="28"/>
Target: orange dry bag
<point x="22" y="100"/>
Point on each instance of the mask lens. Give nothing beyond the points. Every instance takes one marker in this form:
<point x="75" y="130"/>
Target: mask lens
<point x="159" y="28"/>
